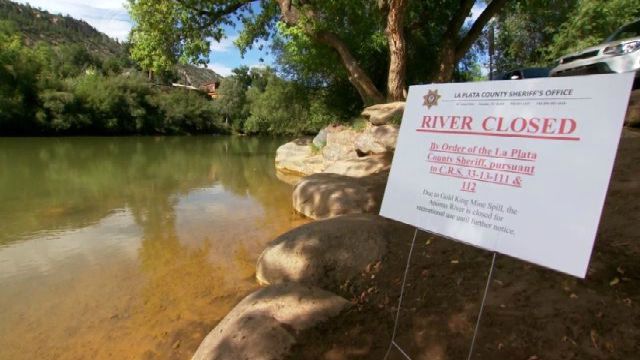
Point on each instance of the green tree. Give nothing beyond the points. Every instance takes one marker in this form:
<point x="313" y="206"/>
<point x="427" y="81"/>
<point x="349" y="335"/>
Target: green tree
<point x="164" y="36"/>
<point x="280" y="108"/>
<point x="590" y="23"/>
<point x="232" y="102"/>
<point x="538" y="32"/>
<point x="19" y="71"/>
<point x="525" y="29"/>
<point x="187" y="111"/>
<point x="335" y="25"/>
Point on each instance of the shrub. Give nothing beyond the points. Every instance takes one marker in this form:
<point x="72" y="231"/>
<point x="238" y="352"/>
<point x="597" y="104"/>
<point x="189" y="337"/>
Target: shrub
<point x="188" y="111"/>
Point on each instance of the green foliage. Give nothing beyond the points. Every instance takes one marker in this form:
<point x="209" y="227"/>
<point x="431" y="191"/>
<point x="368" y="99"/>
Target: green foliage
<point x="18" y="84"/>
<point x="62" y="111"/>
<point x="524" y="30"/>
<point x="286" y="107"/>
<point x="302" y="51"/>
<point x="154" y="37"/>
<point x="279" y="108"/>
<point x="315" y="149"/>
<point x="468" y="71"/>
<point x="69" y="89"/>
<point x="257" y="101"/>
<point x="537" y="32"/>
<point x="125" y="105"/>
<point x="359" y="124"/>
<point x="591" y="22"/>
<point x="36" y="25"/>
<point x="116" y="104"/>
<point x="232" y="102"/>
<point x="38" y="97"/>
<point x="187" y="111"/>
<point x="167" y="32"/>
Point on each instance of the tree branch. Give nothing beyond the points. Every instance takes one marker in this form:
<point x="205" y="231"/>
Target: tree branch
<point x="476" y="29"/>
<point x="291" y="15"/>
<point x="358" y="78"/>
<point x="215" y="14"/>
<point x="457" y="21"/>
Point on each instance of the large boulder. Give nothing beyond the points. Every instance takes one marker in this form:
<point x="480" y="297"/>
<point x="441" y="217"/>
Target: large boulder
<point x="633" y="112"/>
<point x="377" y="139"/>
<point x="327" y="195"/>
<point x="360" y="167"/>
<point x="325" y="253"/>
<point x="298" y="158"/>
<point x="264" y="325"/>
<point x="340" y="145"/>
<point x="382" y="114"/>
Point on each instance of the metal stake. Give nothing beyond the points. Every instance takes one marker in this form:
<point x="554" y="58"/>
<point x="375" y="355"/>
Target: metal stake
<point x="484" y="298"/>
<point x="404" y="280"/>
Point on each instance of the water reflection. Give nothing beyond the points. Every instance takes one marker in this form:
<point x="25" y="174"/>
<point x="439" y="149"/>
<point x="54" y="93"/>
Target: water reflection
<point x="130" y="247"/>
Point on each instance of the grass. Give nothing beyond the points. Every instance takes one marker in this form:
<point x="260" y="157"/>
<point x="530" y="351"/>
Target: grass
<point x="359" y="124"/>
<point x="315" y="149"/>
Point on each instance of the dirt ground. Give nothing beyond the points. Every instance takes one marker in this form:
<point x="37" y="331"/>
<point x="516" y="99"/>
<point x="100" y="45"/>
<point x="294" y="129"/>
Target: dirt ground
<point x="531" y="313"/>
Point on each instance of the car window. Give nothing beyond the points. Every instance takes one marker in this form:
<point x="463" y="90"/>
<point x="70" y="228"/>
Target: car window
<point x="535" y="73"/>
<point x="628" y="31"/>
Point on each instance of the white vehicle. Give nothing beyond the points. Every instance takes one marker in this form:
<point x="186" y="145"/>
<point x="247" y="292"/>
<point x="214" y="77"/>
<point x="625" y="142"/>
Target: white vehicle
<point x="618" y="54"/>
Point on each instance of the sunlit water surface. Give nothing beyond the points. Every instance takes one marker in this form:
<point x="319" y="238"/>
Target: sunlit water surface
<point x="130" y="248"/>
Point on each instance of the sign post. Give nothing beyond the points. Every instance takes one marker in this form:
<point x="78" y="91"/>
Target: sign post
<point x="519" y="168"/>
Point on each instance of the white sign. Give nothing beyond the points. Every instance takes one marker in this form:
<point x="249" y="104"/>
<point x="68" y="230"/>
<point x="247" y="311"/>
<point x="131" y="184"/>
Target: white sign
<point x="517" y="167"/>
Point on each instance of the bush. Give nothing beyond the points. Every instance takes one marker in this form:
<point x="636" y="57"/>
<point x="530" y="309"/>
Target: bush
<point x="117" y="105"/>
<point x="286" y="108"/>
<point x="232" y="103"/>
<point x="19" y="71"/>
<point x="62" y="112"/>
<point x="188" y="111"/>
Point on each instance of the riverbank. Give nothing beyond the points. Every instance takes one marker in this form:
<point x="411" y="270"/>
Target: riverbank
<point x="532" y="313"/>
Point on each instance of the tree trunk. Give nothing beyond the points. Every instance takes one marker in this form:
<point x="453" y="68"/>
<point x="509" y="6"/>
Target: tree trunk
<point x="454" y="48"/>
<point x="447" y="62"/>
<point x="358" y="78"/>
<point x="396" y="82"/>
<point x="476" y="29"/>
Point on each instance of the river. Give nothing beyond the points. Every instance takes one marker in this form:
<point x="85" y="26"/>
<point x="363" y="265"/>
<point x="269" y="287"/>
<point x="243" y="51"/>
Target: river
<point x="130" y="248"/>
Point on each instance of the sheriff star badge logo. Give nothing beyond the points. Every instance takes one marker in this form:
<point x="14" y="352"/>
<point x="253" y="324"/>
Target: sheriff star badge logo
<point x="431" y="99"/>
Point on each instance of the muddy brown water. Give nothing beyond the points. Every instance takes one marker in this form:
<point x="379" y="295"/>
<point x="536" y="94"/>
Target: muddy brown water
<point x="130" y="248"/>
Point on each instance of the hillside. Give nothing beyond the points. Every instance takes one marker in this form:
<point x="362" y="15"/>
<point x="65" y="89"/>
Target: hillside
<point x="37" y="25"/>
<point x="197" y="76"/>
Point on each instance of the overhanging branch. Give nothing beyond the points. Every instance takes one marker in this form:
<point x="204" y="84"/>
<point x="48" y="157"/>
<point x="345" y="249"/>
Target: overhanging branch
<point x="476" y="29"/>
<point x="217" y="13"/>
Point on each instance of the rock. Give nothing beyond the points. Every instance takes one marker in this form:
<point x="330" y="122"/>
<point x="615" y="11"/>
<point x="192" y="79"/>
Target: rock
<point x="381" y="114"/>
<point x="325" y="253"/>
<point x="297" y="157"/>
<point x="377" y="139"/>
<point x="633" y="112"/>
<point x="321" y="139"/>
<point x="263" y="326"/>
<point x="288" y="177"/>
<point x="340" y="145"/>
<point x="326" y="195"/>
<point x="361" y="166"/>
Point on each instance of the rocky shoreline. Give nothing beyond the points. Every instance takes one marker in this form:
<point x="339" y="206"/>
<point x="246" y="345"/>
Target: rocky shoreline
<point x="339" y="179"/>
